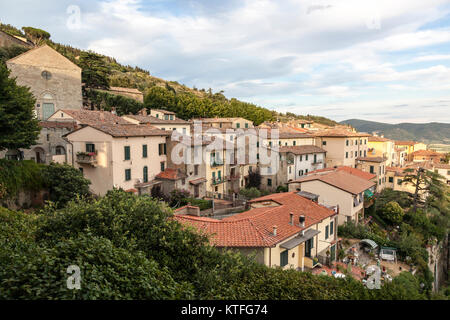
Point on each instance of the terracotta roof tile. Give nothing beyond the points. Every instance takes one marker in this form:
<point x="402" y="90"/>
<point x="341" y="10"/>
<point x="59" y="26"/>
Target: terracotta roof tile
<point x="153" y="120"/>
<point x="58" y="124"/>
<point x="378" y="139"/>
<point x="353" y="171"/>
<point x="337" y="132"/>
<point x="254" y="228"/>
<point x="171" y="174"/>
<point x="371" y="159"/>
<point x="306" y="149"/>
<point x="341" y="180"/>
<point x="93" y="117"/>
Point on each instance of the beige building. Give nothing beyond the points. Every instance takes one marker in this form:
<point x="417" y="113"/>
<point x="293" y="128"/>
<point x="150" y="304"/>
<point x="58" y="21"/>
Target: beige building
<point x="86" y="117"/>
<point x="53" y="79"/>
<point x="163" y="114"/>
<point x="409" y="147"/>
<point x="342" y="146"/>
<point x="225" y="123"/>
<point x="374" y="165"/>
<point x="283" y="229"/>
<point x="337" y="188"/>
<point x="171" y="124"/>
<point x="121" y="156"/>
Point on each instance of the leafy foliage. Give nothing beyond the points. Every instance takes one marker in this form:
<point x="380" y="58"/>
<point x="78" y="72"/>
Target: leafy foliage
<point x="64" y="183"/>
<point x="392" y="212"/>
<point x="7" y="53"/>
<point x="95" y="70"/>
<point x="19" y="175"/>
<point x="18" y="127"/>
<point x="37" y="36"/>
<point x="103" y="100"/>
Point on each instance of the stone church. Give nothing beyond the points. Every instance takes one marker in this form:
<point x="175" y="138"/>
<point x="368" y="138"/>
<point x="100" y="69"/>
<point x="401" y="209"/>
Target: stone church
<point x="55" y="82"/>
<point x="53" y="79"/>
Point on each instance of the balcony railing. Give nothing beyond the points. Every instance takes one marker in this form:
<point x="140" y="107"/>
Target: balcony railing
<point x="218" y="181"/>
<point x="87" y="158"/>
<point x="317" y="162"/>
<point x="234" y="177"/>
<point x="216" y="163"/>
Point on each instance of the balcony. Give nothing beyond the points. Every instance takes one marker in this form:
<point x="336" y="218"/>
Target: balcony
<point x="234" y="177"/>
<point x="216" y="163"/>
<point x="87" y="158"/>
<point x="217" y="181"/>
<point x="317" y="162"/>
<point x="311" y="262"/>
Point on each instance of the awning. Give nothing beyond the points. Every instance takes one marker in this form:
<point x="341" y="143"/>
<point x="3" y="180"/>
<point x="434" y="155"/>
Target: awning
<point x="370" y="243"/>
<point x="368" y="193"/>
<point x="299" y="239"/>
<point x="198" y="181"/>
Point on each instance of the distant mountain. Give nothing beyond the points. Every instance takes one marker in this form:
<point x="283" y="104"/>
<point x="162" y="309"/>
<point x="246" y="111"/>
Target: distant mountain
<point x="433" y="132"/>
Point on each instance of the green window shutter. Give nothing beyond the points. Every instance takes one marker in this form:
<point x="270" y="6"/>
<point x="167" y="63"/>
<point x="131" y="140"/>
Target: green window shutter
<point x="331" y="227"/>
<point x="127" y="174"/>
<point x="165" y="148"/>
<point x="284" y="258"/>
<point x="326" y="232"/>
<point x="163" y="166"/>
<point x="127" y="152"/>
<point x="145" y="174"/>
<point x="144" y="151"/>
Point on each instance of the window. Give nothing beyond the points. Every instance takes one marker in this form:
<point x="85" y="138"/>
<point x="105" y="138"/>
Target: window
<point x="346" y="155"/>
<point x="331" y="228"/>
<point x="214" y="176"/>
<point x="399" y="182"/>
<point x="294" y="143"/>
<point x="171" y="117"/>
<point x="270" y="143"/>
<point x="290" y="169"/>
<point x="324" y="143"/>
<point x="315" y="158"/>
<point x="301" y="158"/>
<point x="166" y="117"/>
<point x="246" y="125"/>
<point x="365" y="153"/>
<point x="162" y="149"/>
<point x="326" y="232"/>
<point x="356" y="154"/>
<point x="90" y="147"/>
<point x="46" y="75"/>
<point x="163" y="166"/>
<point x="356" y="142"/>
<point x="306" y="171"/>
<point x="360" y="153"/>
<point x="306" y="157"/>
<point x="196" y="169"/>
<point x="269" y="182"/>
<point x="391" y="179"/>
<point x="127" y="152"/>
<point x="257" y="144"/>
<point x="346" y="142"/>
<point x="238" y="125"/>
<point x="365" y="141"/>
<point x="127" y="174"/>
<point x="184" y="130"/>
<point x="372" y="169"/>
<point x="219" y="175"/>
<point x="81" y="170"/>
<point x="284" y="257"/>
<point x="144" y="151"/>
<point x="145" y="174"/>
<point x="48" y="137"/>
<point x="300" y="172"/>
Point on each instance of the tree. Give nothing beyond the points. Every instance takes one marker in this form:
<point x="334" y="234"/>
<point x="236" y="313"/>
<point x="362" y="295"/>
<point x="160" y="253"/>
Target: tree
<point x="7" y="53"/>
<point x="95" y="72"/>
<point x="64" y="183"/>
<point x="37" y="36"/>
<point x="426" y="183"/>
<point x="250" y="193"/>
<point x="254" y="179"/>
<point x="393" y="212"/>
<point x="18" y="126"/>
<point x="160" y="98"/>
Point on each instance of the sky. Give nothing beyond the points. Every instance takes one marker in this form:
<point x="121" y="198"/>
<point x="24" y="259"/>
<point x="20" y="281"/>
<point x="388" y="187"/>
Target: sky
<point x="386" y="61"/>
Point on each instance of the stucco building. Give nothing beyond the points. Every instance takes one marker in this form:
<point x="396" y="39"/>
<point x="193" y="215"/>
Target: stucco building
<point x="283" y="229"/>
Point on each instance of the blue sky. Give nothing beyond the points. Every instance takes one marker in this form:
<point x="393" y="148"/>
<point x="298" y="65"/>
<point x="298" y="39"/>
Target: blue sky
<point x="377" y="60"/>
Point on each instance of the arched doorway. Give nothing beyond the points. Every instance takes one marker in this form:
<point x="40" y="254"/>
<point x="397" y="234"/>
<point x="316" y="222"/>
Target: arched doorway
<point x="60" y="150"/>
<point x="39" y="155"/>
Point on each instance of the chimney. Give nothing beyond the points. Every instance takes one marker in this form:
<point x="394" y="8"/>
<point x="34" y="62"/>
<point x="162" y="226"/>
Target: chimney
<point x="274" y="231"/>
<point x="291" y="218"/>
<point x="302" y="221"/>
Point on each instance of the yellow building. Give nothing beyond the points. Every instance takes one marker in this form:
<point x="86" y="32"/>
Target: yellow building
<point x="374" y="165"/>
<point x="410" y="147"/>
<point x="282" y="229"/>
<point x="383" y="147"/>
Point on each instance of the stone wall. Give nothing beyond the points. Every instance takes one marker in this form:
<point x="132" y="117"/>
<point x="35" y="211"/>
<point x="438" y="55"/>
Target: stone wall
<point x="7" y="40"/>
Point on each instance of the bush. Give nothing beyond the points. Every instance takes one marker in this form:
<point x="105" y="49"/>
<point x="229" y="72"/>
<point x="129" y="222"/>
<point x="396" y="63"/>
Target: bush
<point x="392" y="212"/>
<point x="64" y="183"/>
<point x="250" y="193"/>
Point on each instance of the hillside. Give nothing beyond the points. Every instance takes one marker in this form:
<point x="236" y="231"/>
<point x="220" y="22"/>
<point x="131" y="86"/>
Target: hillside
<point x="186" y="102"/>
<point x="433" y="132"/>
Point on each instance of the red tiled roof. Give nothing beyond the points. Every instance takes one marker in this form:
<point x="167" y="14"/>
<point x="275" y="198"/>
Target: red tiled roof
<point x="337" y="132"/>
<point x="57" y="124"/>
<point x="171" y="174"/>
<point x="298" y="150"/>
<point x="426" y="153"/>
<point x="405" y="143"/>
<point x="130" y="130"/>
<point x="372" y="159"/>
<point x="353" y="171"/>
<point x="341" y="180"/>
<point x="378" y="139"/>
<point x="153" y="120"/>
<point x="93" y="117"/>
<point x="254" y="228"/>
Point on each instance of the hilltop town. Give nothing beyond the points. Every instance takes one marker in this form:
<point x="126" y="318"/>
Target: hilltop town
<point x="291" y="193"/>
